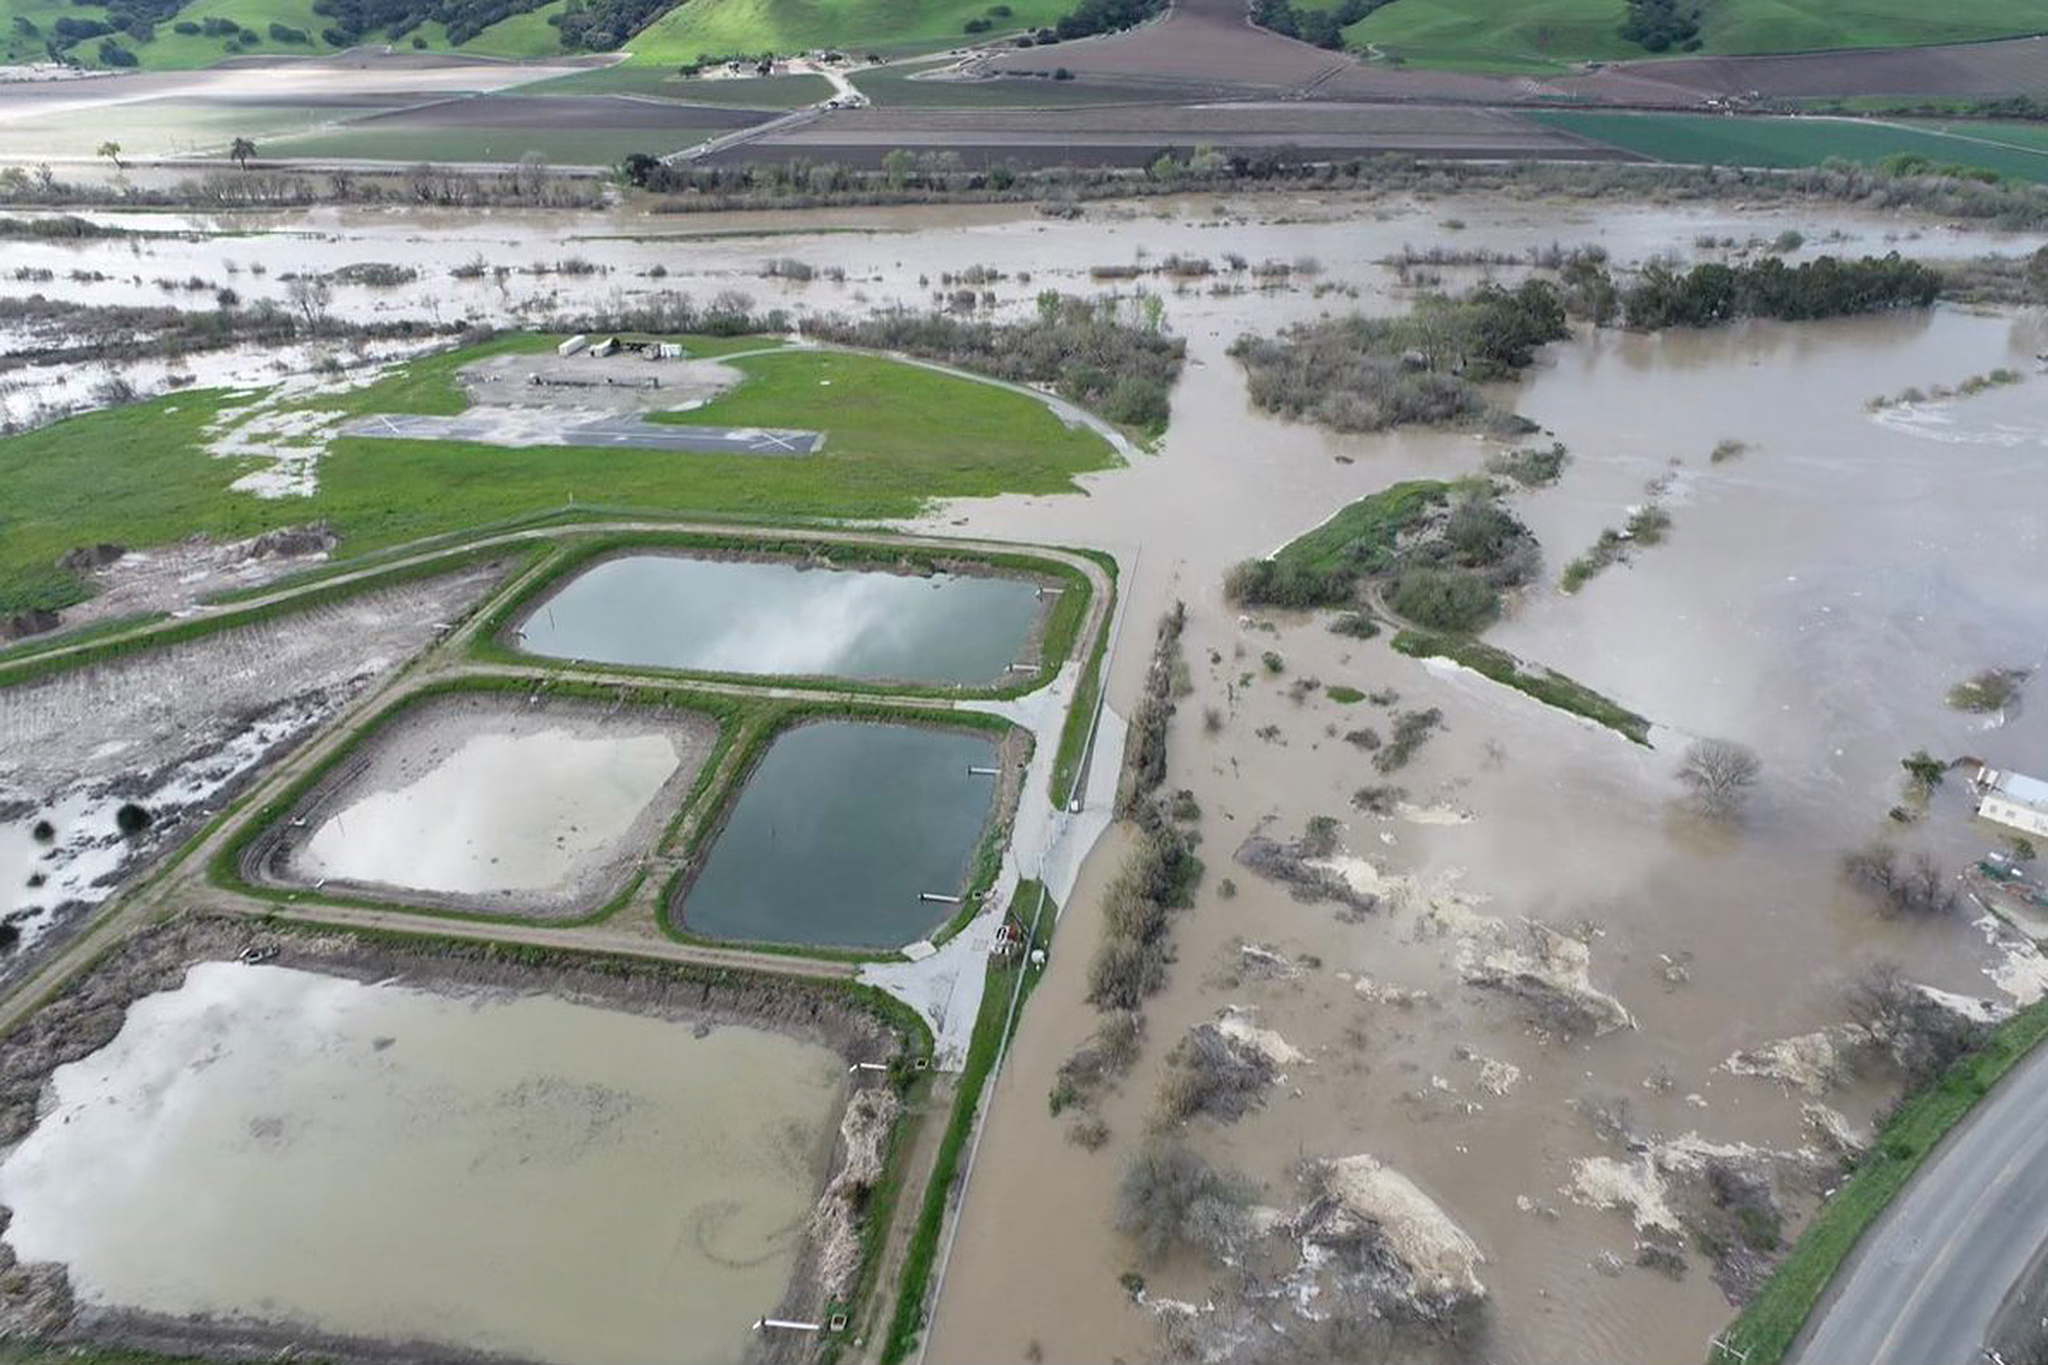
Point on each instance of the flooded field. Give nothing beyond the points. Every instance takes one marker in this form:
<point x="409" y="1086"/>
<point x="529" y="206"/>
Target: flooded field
<point x="485" y="801"/>
<point x="491" y="1174"/>
<point x="840" y="830"/>
<point x="761" y="617"/>
<point x="1818" y="594"/>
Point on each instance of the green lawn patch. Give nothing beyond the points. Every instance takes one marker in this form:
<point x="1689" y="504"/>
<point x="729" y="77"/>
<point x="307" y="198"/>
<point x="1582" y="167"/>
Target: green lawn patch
<point x="1785" y="143"/>
<point x="896" y="437"/>
<point x="1550" y="688"/>
<point x="1773" y="1319"/>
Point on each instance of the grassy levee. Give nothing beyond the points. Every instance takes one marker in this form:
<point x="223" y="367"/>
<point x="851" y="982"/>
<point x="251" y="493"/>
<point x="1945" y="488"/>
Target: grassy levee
<point x="772" y="717"/>
<point x="1550" y="688"/>
<point x="897" y="437"/>
<point x="58" y="659"/>
<point x="1767" y="1327"/>
<point x="226" y="869"/>
<point x="1057" y="637"/>
<point x="1003" y="997"/>
<point x="1789" y="143"/>
<point x="1079" y="723"/>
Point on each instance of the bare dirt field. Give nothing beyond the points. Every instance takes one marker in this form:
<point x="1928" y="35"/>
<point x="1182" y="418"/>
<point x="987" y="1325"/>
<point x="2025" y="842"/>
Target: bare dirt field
<point x="1208" y="46"/>
<point x="615" y="383"/>
<point x="567" y="111"/>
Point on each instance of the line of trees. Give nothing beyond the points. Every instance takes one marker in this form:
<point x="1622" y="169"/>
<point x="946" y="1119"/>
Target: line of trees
<point x="1824" y="288"/>
<point x="1323" y="27"/>
<point x="1660" y="25"/>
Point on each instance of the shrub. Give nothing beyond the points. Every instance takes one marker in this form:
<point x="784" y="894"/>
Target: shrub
<point x="1455" y="600"/>
<point x="132" y="819"/>
<point x="1169" y="1195"/>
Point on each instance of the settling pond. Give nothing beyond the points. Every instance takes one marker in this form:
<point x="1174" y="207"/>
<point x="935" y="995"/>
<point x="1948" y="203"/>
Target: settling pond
<point x="757" y="616"/>
<point x="839" y="830"/>
<point x="506" y="1174"/>
<point x="487" y="802"/>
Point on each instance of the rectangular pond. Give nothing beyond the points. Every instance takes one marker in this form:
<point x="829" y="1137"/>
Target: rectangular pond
<point x="839" y="830"/>
<point x="494" y="1173"/>
<point x="661" y="610"/>
<point x="488" y="802"/>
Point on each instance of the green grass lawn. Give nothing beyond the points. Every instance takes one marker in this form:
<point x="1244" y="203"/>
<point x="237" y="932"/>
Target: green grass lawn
<point x="1532" y="35"/>
<point x="897" y="436"/>
<point x="565" y="146"/>
<point x="1701" y="139"/>
<point x="716" y="27"/>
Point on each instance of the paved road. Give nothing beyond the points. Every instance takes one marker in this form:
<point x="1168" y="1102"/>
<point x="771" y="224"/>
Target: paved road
<point x="1926" y="1282"/>
<point x="542" y="427"/>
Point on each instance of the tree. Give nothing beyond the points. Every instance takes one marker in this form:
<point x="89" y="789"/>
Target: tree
<point x="1923" y="771"/>
<point x="1168" y="1194"/>
<point x="240" y="150"/>
<point x="112" y="152"/>
<point x="1719" y="774"/>
<point x="310" y="295"/>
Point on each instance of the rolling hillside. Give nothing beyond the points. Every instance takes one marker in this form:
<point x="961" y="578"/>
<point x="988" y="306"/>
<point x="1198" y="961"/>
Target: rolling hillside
<point x="1534" y="34"/>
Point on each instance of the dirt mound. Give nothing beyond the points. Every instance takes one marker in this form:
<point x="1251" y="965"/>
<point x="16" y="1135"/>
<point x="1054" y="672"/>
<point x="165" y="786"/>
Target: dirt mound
<point x="1432" y="1264"/>
<point x="1552" y="974"/>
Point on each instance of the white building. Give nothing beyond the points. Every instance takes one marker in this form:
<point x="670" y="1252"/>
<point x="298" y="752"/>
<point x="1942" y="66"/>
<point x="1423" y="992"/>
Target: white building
<point x="2013" y="800"/>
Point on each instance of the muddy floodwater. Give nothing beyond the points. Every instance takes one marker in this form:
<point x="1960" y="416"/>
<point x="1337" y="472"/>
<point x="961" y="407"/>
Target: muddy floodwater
<point x="840" y="830"/>
<point x="722" y="616"/>
<point x="488" y="801"/>
<point x="510" y="1175"/>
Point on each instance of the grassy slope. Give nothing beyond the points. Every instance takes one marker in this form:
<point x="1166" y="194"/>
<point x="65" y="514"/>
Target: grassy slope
<point x="698" y="27"/>
<point x="1364" y="530"/>
<point x="897" y="435"/>
<point x="1532" y="34"/>
<point x="1721" y="140"/>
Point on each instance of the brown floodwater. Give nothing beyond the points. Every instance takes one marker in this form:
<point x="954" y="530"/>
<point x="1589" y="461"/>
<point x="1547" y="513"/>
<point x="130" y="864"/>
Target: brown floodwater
<point x="1816" y="598"/>
<point x="504" y="1174"/>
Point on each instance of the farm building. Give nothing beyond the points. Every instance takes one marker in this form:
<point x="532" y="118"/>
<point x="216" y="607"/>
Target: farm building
<point x="2013" y="800"/>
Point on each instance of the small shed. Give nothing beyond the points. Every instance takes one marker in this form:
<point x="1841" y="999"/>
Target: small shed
<point x="2013" y="800"/>
<point x="573" y="345"/>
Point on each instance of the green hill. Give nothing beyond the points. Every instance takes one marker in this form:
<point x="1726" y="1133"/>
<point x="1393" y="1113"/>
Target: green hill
<point x="715" y="27"/>
<point x="1533" y="35"/>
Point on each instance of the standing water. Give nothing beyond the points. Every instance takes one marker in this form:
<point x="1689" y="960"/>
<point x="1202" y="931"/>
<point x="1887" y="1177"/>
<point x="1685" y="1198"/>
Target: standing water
<point x="669" y="611"/>
<point x="840" y="831"/>
<point x="510" y="1175"/>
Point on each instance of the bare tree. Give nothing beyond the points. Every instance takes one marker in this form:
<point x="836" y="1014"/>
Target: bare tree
<point x="310" y="295"/>
<point x="1904" y="886"/>
<point x="1169" y="1194"/>
<point x="1719" y="773"/>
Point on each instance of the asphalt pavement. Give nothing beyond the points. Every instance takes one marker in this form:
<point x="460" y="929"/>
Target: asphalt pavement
<point x="1925" y="1284"/>
<point x="537" y="427"/>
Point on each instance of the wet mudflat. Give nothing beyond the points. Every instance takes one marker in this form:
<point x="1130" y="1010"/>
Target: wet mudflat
<point x="759" y="617"/>
<point x="488" y="802"/>
<point x="838" y="832"/>
<point x="492" y="1173"/>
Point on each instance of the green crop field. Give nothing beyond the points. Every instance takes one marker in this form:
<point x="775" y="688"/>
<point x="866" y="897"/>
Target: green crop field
<point x="1538" y="34"/>
<point x="564" y="146"/>
<point x="897" y="435"/>
<point x="1710" y="139"/>
<point x="714" y="27"/>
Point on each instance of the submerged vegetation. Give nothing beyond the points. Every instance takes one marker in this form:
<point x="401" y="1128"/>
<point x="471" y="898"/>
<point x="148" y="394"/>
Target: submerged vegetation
<point x="1108" y="355"/>
<point x="1360" y="373"/>
<point x="1990" y="691"/>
